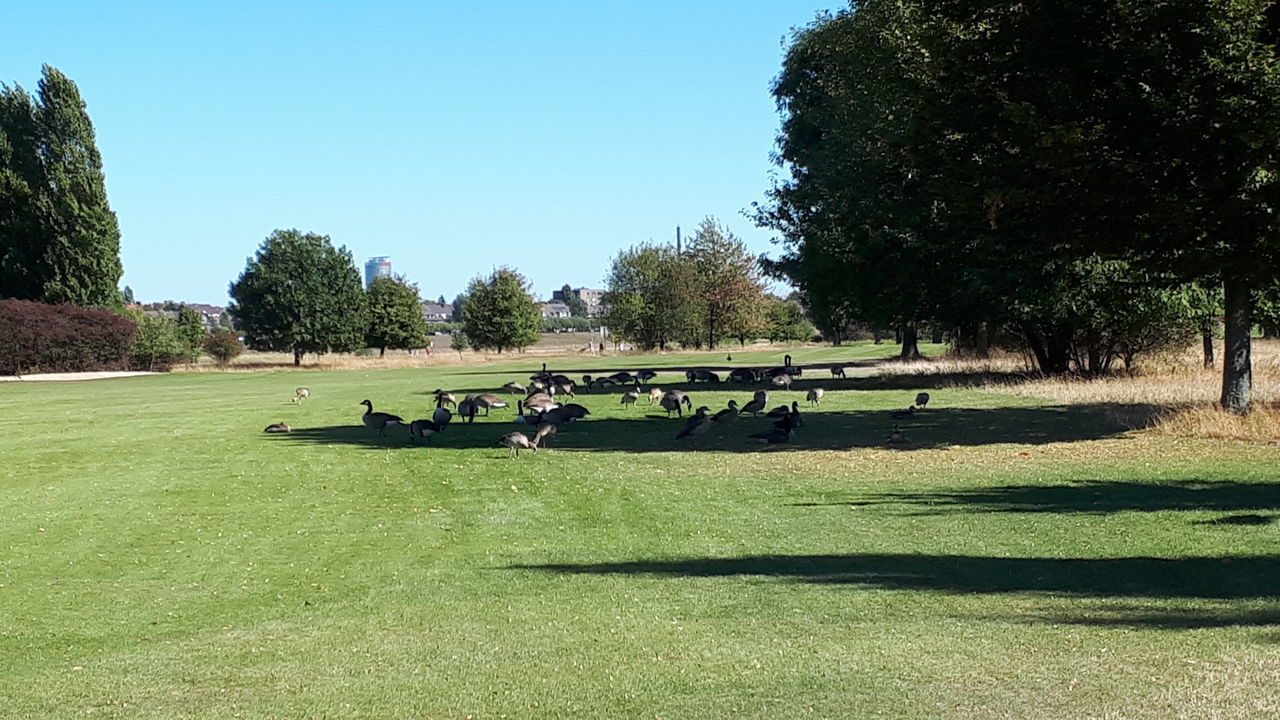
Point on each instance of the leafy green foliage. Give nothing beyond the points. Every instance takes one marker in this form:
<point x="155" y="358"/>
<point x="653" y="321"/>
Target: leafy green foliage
<point x="223" y="346"/>
<point x="159" y="344"/>
<point x="500" y="314"/>
<point x="730" y="289"/>
<point x="787" y="321"/>
<point x="300" y="295"/>
<point x="395" y="315"/>
<point x="577" y="306"/>
<point x="59" y="240"/>
<point x="191" y="329"/>
<point x="651" y="296"/>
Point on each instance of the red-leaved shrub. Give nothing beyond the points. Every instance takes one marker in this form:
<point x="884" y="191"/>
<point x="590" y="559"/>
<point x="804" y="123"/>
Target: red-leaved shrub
<point x="35" y="337"/>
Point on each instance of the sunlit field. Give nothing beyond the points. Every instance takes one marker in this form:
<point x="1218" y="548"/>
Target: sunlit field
<point x="1020" y="555"/>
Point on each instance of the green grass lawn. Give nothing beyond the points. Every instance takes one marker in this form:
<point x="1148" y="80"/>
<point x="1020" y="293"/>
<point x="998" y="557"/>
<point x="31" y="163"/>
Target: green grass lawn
<point x="163" y="558"/>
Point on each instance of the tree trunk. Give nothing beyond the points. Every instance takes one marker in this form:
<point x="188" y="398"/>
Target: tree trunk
<point x="1206" y="338"/>
<point x="1237" y="368"/>
<point x="382" y="352"/>
<point x="297" y="358"/>
<point x="983" y="341"/>
<point x="910" y="343"/>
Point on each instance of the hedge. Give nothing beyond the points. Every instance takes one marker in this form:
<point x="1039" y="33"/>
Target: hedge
<point x="35" y="337"/>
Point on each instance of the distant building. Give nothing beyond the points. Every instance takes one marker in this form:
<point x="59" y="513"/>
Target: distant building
<point x="437" y="312"/>
<point x="376" y="267"/>
<point x="592" y="297"/>
<point x="554" y="310"/>
<point x="212" y="314"/>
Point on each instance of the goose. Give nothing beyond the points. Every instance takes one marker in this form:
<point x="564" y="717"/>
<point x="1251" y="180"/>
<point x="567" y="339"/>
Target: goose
<point x="379" y="420"/>
<point x="488" y="402"/>
<point x="814" y="396"/>
<point x="278" y="428"/>
<point x="673" y="399"/>
<point x="697" y="424"/>
<point x="631" y="396"/>
<point x="727" y="415"/>
<point x="301" y="394"/>
<point x="515" y="442"/>
<point x="558" y="416"/>
<point x="757" y="403"/>
<point x="903" y="414"/>
<point x="728" y="358"/>
<point x="622" y="378"/>
<point x="897" y="437"/>
<point x="444" y="398"/>
<point x="743" y="375"/>
<point x="544" y="434"/>
<point x="561" y="380"/>
<point x="441" y="416"/>
<point x="604" y="382"/>
<point x="791" y="420"/>
<point x="467" y="409"/>
<point x="423" y="429"/>
<point x="779" y="412"/>
<point x="655" y="395"/>
<point x="837" y="371"/>
<point x="645" y="376"/>
<point x="574" y="411"/>
<point x="542" y="374"/>
<point x="783" y="381"/>
<point x="515" y="387"/>
<point x="537" y="386"/>
<point x="564" y="389"/>
<point x="922" y="399"/>
<point x="540" y="402"/>
<point x="776" y="435"/>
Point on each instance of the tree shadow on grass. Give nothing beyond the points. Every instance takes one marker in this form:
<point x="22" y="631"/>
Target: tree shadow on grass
<point x="1213" y="578"/>
<point x="1101" y="497"/>
<point x="844" y="430"/>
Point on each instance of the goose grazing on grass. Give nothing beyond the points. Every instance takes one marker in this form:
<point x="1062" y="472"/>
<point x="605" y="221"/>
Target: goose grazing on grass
<point x="922" y="399"/>
<point x="630" y="397"/>
<point x="488" y="402"/>
<point x="515" y="442"/>
<point x="443" y="398"/>
<point x="540" y="402"/>
<point x="697" y="424"/>
<point x="837" y="371"/>
<point x="727" y="415"/>
<point x="467" y="409"/>
<point x="278" y="428"/>
<point x="379" y="420"/>
<point x="776" y="435"/>
<point x="301" y="394"/>
<point x="672" y="401"/>
<point x="814" y="396"/>
<point x="655" y="395"/>
<point x="783" y="381"/>
<point x="423" y="429"/>
<point x="515" y="387"/>
<point x="645" y="376"/>
<point x="903" y="414"/>
<point x="897" y="437"/>
<point x="743" y="375"/>
<point x="564" y="389"/>
<point x="757" y="403"/>
<point x="544" y="434"/>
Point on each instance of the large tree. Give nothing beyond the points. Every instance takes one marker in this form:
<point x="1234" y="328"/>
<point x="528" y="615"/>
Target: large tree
<point x="395" y="315"/>
<point x="730" y="286"/>
<point x="59" y="239"/>
<point x="966" y="162"/>
<point x="651" y="293"/>
<point x="499" y="313"/>
<point x="301" y="295"/>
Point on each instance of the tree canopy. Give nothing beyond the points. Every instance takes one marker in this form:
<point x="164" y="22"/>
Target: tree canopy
<point x="301" y="295"/>
<point x="499" y="313"/>
<point x="395" y="315"/>
<point x="59" y="239"/>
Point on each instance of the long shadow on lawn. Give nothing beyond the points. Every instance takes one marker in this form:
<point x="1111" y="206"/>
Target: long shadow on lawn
<point x="1100" y="497"/>
<point x="1221" y="578"/>
<point x="654" y="432"/>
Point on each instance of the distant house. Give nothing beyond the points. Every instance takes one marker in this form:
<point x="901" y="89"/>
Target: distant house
<point x="594" y="299"/>
<point x="437" y="312"/>
<point x="212" y="314"/>
<point x="554" y="310"/>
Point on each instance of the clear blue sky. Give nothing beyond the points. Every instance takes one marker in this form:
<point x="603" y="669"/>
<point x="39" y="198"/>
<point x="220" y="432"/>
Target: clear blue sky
<point x="453" y="136"/>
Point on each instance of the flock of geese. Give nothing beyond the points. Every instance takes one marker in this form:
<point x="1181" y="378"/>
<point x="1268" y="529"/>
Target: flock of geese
<point x="542" y="406"/>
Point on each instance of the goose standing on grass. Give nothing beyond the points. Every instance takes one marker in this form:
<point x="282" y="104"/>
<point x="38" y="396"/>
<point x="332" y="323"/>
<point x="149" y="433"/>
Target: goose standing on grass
<point x="672" y="401"/>
<point x="423" y="429"/>
<point x="814" y="396"/>
<point x="630" y="397"/>
<point x="758" y="403"/>
<point x="467" y="409"/>
<point x="922" y="399"/>
<point x="837" y="371"/>
<point x="515" y="387"/>
<point x="515" y="442"/>
<point x="301" y="394"/>
<point x="379" y="420"/>
<point x="783" y="381"/>
<point x="564" y="389"/>
<point x="540" y="402"/>
<point x="791" y="420"/>
<point x="645" y="376"/>
<point x="488" y="402"/>
<point x="444" y="398"/>
<point x="278" y="428"/>
<point x="697" y="424"/>
<point x="544" y="434"/>
<point x="655" y="395"/>
<point x="727" y="415"/>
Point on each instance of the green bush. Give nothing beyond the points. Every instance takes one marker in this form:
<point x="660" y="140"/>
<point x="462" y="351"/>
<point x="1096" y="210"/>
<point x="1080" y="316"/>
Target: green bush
<point x="223" y="346"/>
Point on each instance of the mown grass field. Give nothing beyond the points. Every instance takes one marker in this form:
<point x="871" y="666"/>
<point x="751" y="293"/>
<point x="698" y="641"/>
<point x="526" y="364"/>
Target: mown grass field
<point x="163" y="558"/>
